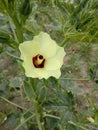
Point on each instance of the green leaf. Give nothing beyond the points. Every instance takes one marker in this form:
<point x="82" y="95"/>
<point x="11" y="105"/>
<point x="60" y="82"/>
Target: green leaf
<point x="25" y="8"/>
<point x="70" y="85"/>
<point x="96" y="116"/>
<point x="6" y="38"/>
<point x="3" y="117"/>
<point x="66" y="7"/>
<point x="71" y="127"/>
<point x="42" y="94"/>
<point x="13" y="121"/>
<point x="29" y="90"/>
<point x="78" y="9"/>
<point x="51" y="124"/>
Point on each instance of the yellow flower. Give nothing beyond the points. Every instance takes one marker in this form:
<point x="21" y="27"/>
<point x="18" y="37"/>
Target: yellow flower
<point x="42" y="57"/>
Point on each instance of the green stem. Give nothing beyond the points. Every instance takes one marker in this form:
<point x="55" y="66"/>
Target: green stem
<point x="25" y="121"/>
<point x="45" y="82"/>
<point x="64" y="43"/>
<point x="37" y="114"/>
<point x="14" y="104"/>
<point x="75" y="79"/>
<point x="91" y="102"/>
<point x="19" y="32"/>
<point x="18" y="25"/>
<point x="77" y="125"/>
<point x="52" y="116"/>
<point x="12" y="28"/>
<point x="19" y="28"/>
<point x="13" y="56"/>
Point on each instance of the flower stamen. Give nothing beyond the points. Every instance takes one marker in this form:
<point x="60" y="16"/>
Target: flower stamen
<point x="38" y="61"/>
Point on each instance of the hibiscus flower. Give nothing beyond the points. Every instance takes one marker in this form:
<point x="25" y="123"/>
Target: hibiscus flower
<point x="42" y="57"/>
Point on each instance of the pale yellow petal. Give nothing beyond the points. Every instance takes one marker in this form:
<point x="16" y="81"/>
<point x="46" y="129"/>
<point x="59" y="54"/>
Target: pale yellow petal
<point x="29" y="67"/>
<point x="60" y="55"/>
<point x="56" y="61"/>
<point x="48" y="46"/>
<point x="52" y="64"/>
<point x="29" y="72"/>
<point x="55" y="73"/>
<point x="41" y="73"/>
<point x="30" y="48"/>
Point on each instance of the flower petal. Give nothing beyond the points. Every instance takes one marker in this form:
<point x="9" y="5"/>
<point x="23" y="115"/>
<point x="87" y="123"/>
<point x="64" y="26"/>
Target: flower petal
<point x="48" y="46"/>
<point x="52" y="64"/>
<point x="41" y="73"/>
<point x="29" y="72"/>
<point x="29" y="48"/>
<point x="29" y="67"/>
<point x="60" y="55"/>
<point x="55" y="73"/>
<point x="56" y="61"/>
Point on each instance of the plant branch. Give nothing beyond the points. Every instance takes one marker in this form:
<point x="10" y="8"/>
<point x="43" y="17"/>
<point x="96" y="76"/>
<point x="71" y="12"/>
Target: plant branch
<point x="37" y="114"/>
<point x="14" y="104"/>
<point x="25" y="121"/>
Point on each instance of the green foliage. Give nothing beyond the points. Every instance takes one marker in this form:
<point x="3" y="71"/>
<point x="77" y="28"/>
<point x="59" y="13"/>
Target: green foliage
<point x="42" y="94"/>
<point x="93" y="71"/>
<point x="29" y="90"/>
<point x="2" y="117"/>
<point x="25" y="5"/>
<point x="7" y="39"/>
<point x="50" y="104"/>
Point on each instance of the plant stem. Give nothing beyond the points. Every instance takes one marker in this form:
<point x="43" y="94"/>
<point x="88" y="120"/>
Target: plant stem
<point x="77" y="125"/>
<point x="25" y="121"/>
<point x="14" y="104"/>
<point x="52" y="116"/>
<point x="45" y="82"/>
<point x="13" y="56"/>
<point x="37" y="115"/>
<point x="75" y="79"/>
<point x="63" y="43"/>
<point x="19" y="33"/>
<point x="12" y="28"/>
<point x="19" y="26"/>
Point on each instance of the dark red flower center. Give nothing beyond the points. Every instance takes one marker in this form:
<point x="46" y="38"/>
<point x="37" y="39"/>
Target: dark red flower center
<point x="38" y="61"/>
